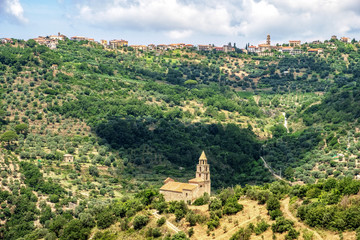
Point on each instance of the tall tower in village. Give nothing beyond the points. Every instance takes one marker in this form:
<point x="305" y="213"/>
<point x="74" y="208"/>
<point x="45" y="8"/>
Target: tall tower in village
<point x="203" y="171"/>
<point x="268" y="40"/>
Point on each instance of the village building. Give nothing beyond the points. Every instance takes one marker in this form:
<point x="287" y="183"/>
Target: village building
<point x="263" y="54"/>
<point x="228" y="48"/>
<point x="80" y="38"/>
<point x="6" y="40"/>
<point x="47" y="41"/>
<point x="317" y="42"/>
<point x="252" y="49"/>
<point x="104" y="42"/>
<point x="205" y="47"/>
<point x="268" y="41"/>
<point x="286" y="49"/>
<point x="264" y="47"/>
<point x="345" y="40"/>
<point x="58" y="37"/>
<point x="68" y="158"/>
<point x="294" y="43"/>
<point x="177" y="45"/>
<point x="162" y="47"/>
<point x="118" y="43"/>
<point x="315" y="50"/>
<point x="139" y="47"/>
<point x="219" y="49"/>
<point x="333" y="37"/>
<point x="195" y="188"/>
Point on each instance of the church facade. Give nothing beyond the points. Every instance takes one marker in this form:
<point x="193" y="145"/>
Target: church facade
<point x="195" y="188"/>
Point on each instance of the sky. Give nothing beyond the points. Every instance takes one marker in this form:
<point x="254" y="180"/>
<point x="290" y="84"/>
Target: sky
<point x="182" y="21"/>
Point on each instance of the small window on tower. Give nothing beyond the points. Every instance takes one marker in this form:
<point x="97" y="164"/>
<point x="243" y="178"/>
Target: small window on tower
<point x="199" y="175"/>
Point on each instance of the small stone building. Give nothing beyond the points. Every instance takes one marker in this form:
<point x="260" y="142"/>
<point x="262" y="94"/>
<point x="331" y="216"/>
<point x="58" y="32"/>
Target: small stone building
<point x="195" y="188"/>
<point x="68" y="158"/>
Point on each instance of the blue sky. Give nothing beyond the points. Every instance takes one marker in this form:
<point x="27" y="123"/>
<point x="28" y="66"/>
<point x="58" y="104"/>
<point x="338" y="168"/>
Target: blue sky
<point x="188" y="21"/>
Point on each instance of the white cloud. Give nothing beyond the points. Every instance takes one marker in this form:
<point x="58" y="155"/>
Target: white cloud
<point x="171" y="16"/>
<point x="12" y="10"/>
<point x="252" y="19"/>
<point x="179" y="34"/>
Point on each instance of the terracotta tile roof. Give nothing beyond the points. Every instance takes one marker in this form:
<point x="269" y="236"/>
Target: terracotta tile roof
<point x="168" y="180"/>
<point x="198" y="179"/>
<point x="178" y="187"/>
<point x="314" y="49"/>
<point x="203" y="156"/>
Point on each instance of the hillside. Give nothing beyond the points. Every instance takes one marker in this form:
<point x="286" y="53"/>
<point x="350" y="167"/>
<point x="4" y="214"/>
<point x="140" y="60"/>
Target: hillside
<point x="132" y="118"/>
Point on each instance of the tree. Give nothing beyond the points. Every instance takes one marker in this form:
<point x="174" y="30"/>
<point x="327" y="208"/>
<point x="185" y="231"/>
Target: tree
<point x="179" y="236"/>
<point x="289" y="172"/>
<point x="161" y="221"/>
<point x="105" y="219"/>
<point x="74" y="230"/>
<point x="93" y="171"/>
<point x="191" y="83"/>
<point x="87" y="220"/>
<point x="272" y="204"/>
<point x="278" y="130"/>
<point x="242" y="234"/>
<point x="31" y="43"/>
<point x="140" y="221"/>
<point x="9" y="137"/>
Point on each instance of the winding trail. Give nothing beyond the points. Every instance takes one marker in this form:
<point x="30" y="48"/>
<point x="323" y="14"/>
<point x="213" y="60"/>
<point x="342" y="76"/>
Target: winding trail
<point x="273" y="172"/>
<point x="169" y="224"/>
<point x="288" y="213"/>
<point x="285" y="122"/>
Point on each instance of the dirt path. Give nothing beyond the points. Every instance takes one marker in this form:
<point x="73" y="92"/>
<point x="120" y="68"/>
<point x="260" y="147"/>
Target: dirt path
<point x="169" y="224"/>
<point x="273" y="172"/>
<point x="288" y="214"/>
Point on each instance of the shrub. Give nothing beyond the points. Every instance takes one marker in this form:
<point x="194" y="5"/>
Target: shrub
<point x="282" y="225"/>
<point x="199" y="202"/>
<point x="261" y="227"/>
<point x="275" y="213"/>
<point x="292" y="234"/>
<point x="191" y="232"/>
<point x="242" y="234"/>
<point x="232" y="206"/>
<point x="54" y="198"/>
<point x="161" y="221"/>
<point x="105" y="219"/>
<point x="179" y="236"/>
<point x="272" y="204"/>
<point x="140" y="221"/>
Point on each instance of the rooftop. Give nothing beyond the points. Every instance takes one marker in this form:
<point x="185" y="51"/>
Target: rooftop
<point x="178" y="186"/>
<point x="203" y="156"/>
<point x="198" y="179"/>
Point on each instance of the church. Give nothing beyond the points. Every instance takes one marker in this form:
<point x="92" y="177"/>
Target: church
<point x="195" y="188"/>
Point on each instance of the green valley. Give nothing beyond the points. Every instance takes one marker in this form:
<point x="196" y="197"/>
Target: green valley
<point x="132" y="118"/>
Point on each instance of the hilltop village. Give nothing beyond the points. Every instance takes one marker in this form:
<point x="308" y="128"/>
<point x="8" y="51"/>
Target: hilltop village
<point x="293" y="47"/>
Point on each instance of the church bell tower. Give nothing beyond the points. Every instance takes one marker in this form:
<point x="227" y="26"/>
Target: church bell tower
<point x="203" y="171"/>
